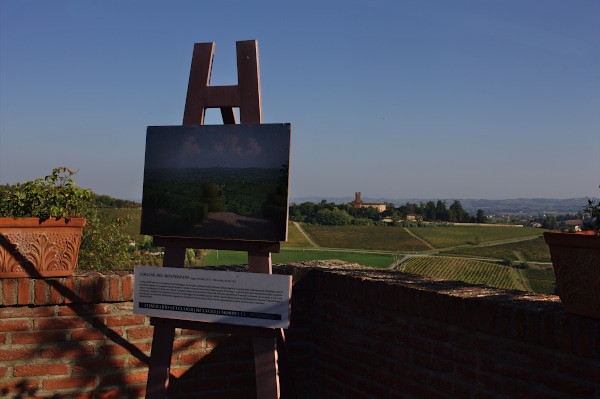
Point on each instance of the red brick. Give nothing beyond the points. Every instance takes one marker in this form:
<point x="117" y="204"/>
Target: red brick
<point x="140" y="333"/>
<point x="69" y="383"/>
<point x="86" y="289"/>
<point x="40" y="370"/>
<point x="97" y="365"/>
<point x="71" y="286"/>
<point x="40" y="292"/>
<point x="126" y="378"/>
<point x="23" y="312"/>
<point x="9" y="291"/>
<point x="193" y="343"/>
<point x="177" y="372"/>
<point x="38" y="337"/>
<point x="124" y="306"/>
<point x="134" y="362"/>
<point x="192" y="358"/>
<point x="59" y="323"/>
<point x="87" y="335"/>
<point x="126" y="320"/>
<point x="8" y="325"/>
<point x="100" y="283"/>
<point x="114" y="288"/>
<point x="85" y="310"/>
<point x="104" y="393"/>
<point x="68" y="351"/>
<point x="127" y="287"/>
<point x="21" y="387"/>
<point x="16" y="354"/>
<point x="55" y="297"/>
<point x="112" y="349"/>
<point x="24" y="296"/>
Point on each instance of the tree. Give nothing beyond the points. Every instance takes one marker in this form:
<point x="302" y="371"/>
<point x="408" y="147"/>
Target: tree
<point x="480" y="218"/>
<point x="550" y="223"/>
<point x="333" y="217"/>
<point x="457" y="213"/>
<point x="430" y="214"/>
<point x="441" y="213"/>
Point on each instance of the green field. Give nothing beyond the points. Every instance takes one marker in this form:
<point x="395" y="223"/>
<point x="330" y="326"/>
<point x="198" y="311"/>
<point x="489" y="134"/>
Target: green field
<point x="375" y="238"/>
<point x="542" y="281"/>
<point x="450" y="236"/>
<point x="215" y="258"/>
<point x="378" y="246"/>
<point x="534" y="250"/>
<point x="468" y="270"/>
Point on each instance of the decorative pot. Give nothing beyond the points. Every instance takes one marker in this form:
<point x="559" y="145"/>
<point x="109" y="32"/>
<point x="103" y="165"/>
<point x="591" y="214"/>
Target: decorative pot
<point x="30" y="248"/>
<point x="576" y="262"/>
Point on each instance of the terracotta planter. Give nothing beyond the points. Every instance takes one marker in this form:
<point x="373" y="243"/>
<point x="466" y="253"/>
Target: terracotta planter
<point x="29" y="248"/>
<point x="576" y="262"/>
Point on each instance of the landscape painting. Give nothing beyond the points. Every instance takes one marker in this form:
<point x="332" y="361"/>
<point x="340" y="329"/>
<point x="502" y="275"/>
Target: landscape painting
<point x="217" y="181"/>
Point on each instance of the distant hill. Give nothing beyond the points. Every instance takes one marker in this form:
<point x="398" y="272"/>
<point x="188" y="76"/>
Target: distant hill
<point x="524" y="206"/>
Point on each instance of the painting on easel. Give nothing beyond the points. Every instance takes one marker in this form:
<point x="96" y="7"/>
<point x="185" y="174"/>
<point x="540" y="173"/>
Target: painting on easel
<point x="217" y="181"/>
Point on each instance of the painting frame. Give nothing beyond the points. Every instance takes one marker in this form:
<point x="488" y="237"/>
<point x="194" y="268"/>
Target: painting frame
<point x="228" y="182"/>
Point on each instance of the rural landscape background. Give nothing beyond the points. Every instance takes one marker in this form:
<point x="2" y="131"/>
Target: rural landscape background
<point x="505" y="251"/>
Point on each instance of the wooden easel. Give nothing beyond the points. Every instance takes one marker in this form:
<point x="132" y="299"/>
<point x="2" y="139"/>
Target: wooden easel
<point x="200" y="96"/>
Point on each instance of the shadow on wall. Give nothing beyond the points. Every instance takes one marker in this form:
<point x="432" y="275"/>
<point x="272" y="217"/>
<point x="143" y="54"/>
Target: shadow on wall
<point x="85" y="359"/>
<point x="226" y="371"/>
<point x="84" y="353"/>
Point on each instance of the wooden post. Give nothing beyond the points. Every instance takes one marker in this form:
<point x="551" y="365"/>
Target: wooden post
<point x="200" y="96"/>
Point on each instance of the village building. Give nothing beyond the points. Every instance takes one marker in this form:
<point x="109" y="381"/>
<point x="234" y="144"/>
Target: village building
<point x="358" y="203"/>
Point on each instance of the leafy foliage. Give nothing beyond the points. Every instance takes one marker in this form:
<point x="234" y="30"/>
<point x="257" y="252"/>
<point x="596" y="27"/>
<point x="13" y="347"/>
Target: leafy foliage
<point x="54" y="196"/>
<point x="104" y="244"/>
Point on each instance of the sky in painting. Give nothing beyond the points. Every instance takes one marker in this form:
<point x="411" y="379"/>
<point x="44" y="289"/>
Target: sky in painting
<point x="223" y="146"/>
<point x="427" y="99"/>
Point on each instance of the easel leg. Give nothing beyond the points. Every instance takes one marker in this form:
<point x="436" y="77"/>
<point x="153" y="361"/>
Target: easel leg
<point x="265" y="349"/>
<point x="289" y="391"/>
<point x="265" y="364"/>
<point x="159" y="365"/>
<point x="160" y="362"/>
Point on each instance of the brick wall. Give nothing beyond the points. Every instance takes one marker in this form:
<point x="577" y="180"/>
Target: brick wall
<point x="355" y="333"/>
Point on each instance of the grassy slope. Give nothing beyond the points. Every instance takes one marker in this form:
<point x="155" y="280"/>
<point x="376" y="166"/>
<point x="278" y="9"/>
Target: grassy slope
<point x="468" y="270"/>
<point x="396" y="239"/>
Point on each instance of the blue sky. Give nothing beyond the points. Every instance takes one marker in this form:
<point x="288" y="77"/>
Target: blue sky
<point x="396" y="99"/>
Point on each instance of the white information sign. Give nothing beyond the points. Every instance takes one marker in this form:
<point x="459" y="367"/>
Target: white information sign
<point x="251" y="299"/>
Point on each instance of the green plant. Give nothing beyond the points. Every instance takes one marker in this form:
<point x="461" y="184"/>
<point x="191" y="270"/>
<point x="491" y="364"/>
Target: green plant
<point x="104" y="244"/>
<point x="55" y="196"/>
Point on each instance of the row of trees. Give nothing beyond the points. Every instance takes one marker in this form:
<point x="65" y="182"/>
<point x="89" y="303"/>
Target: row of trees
<point x="328" y="213"/>
<point x="106" y="201"/>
